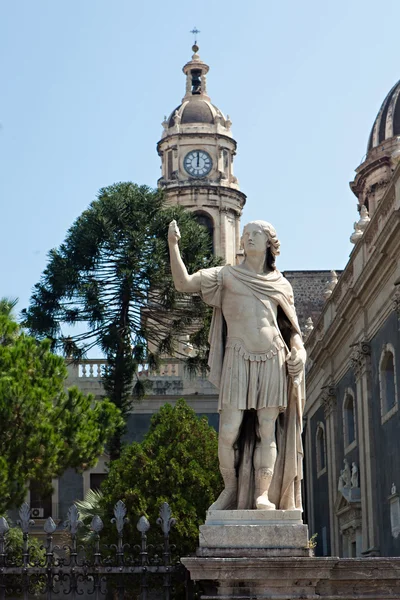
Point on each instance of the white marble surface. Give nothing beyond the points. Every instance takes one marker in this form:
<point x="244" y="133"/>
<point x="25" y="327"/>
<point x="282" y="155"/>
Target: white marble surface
<point x="254" y="536"/>
<point x="254" y="517"/>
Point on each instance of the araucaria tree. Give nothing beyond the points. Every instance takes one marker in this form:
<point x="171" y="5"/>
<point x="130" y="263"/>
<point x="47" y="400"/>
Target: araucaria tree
<point x="111" y="279"/>
<point x="44" y="429"/>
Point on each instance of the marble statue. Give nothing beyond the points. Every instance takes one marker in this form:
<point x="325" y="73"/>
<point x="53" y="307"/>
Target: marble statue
<point x="177" y="117"/>
<point x="364" y="218"/>
<point x="257" y="361"/>
<point x="345" y="473"/>
<point x="354" y="475"/>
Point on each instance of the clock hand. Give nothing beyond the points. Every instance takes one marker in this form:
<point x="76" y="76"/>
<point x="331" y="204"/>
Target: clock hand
<point x="198" y="158"/>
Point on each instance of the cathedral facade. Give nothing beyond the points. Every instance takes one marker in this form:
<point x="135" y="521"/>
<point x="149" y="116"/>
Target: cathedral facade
<point x="352" y="419"/>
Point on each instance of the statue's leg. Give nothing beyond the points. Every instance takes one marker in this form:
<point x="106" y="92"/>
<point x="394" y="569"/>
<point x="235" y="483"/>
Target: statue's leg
<point x="230" y="420"/>
<point x="265" y="456"/>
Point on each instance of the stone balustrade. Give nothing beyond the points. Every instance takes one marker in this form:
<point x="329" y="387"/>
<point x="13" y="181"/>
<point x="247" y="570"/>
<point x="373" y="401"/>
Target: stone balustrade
<point x="93" y="369"/>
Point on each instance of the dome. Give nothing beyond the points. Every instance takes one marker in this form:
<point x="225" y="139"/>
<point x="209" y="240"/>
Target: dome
<point x="387" y="122"/>
<point x="194" y="111"/>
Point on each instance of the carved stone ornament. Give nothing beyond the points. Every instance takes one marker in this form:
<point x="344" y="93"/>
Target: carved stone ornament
<point x="357" y="234"/>
<point x="177" y="118"/>
<point x="364" y="218"/>
<point x="348" y="511"/>
<point x="359" y="358"/>
<point x="396" y="303"/>
<point x="328" y="399"/>
<point x="330" y="285"/>
<point x="308" y="327"/>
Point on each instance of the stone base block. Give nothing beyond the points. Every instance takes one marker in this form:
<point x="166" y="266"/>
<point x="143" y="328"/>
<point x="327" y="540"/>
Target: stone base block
<point x="254" y="536"/>
<point x="280" y="531"/>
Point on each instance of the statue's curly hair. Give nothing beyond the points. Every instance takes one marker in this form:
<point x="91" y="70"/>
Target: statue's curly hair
<point x="273" y="250"/>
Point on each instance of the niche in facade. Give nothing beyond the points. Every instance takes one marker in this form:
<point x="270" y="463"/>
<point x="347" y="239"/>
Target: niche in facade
<point x="387" y="382"/>
<point x="349" y="421"/>
<point x="320" y="449"/>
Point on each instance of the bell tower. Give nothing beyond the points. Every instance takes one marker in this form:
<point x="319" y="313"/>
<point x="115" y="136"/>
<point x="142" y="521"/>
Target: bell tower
<point x="197" y="152"/>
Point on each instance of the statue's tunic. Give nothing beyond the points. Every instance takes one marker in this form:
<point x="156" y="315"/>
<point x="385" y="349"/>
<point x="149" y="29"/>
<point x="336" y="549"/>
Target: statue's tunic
<point x="254" y="370"/>
<point x="247" y="361"/>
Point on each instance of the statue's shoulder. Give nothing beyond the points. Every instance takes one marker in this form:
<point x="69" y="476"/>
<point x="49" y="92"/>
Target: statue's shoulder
<point x="286" y="287"/>
<point x="286" y="282"/>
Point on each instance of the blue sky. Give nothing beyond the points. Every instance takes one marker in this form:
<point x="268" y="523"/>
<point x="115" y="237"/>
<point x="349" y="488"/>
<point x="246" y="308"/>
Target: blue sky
<point x="86" y="83"/>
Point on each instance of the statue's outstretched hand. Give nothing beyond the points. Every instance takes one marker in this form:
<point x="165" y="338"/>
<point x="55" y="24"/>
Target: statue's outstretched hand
<point x="174" y="235"/>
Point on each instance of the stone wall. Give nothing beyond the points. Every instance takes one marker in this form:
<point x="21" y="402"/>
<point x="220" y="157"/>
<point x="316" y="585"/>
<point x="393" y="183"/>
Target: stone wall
<point x="308" y="288"/>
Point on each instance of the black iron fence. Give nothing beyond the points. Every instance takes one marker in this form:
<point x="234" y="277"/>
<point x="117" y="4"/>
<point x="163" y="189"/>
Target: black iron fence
<point x="92" y="570"/>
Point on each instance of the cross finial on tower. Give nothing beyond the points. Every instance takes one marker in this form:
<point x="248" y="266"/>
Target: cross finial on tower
<point x="195" y="31"/>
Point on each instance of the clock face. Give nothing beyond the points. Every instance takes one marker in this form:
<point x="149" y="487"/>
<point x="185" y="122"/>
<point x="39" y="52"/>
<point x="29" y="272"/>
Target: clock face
<point x="198" y="163"/>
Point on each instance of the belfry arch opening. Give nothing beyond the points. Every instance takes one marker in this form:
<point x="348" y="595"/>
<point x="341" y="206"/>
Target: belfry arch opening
<point x="206" y="221"/>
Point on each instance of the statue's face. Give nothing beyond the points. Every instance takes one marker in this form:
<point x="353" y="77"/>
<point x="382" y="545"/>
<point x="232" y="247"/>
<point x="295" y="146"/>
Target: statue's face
<point x="254" y="240"/>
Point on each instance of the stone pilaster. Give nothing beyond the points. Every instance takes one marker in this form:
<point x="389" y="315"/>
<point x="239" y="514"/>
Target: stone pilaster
<point x="309" y="476"/>
<point x="360" y="363"/>
<point x="329" y="402"/>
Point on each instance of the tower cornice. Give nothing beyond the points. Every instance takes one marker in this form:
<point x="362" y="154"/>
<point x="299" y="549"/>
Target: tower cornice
<point x="192" y="135"/>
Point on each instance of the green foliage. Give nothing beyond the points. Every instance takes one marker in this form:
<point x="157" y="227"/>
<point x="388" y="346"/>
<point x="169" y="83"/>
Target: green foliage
<point x="43" y="428"/>
<point x="15" y="544"/>
<point x="14" y="549"/>
<point x="111" y="278"/>
<point x="177" y="462"/>
<point x="92" y="505"/>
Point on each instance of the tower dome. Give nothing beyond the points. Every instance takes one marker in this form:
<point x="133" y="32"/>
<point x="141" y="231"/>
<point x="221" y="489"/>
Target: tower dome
<point x="383" y="152"/>
<point x="196" y="111"/>
<point x="387" y="122"/>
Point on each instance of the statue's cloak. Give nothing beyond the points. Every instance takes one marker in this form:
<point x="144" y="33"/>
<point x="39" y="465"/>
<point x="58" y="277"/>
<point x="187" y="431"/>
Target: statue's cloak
<point x="285" y="490"/>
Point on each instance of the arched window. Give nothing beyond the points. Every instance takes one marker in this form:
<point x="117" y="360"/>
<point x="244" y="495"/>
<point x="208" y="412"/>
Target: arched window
<point x="387" y="382"/>
<point x="349" y="420"/>
<point x="206" y="221"/>
<point x="320" y="449"/>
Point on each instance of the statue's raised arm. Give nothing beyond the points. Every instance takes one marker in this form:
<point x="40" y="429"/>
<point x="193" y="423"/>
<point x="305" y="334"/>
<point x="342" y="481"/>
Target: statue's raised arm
<point x="182" y="280"/>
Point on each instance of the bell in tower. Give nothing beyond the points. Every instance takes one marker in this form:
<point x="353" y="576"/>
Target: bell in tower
<point x="196" y="81"/>
<point x="197" y="151"/>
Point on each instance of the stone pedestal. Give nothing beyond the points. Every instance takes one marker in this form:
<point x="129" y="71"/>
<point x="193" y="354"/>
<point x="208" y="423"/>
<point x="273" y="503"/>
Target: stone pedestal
<point x="254" y="554"/>
<point x="289" y="578"/>
<point x="253" y="532"/>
